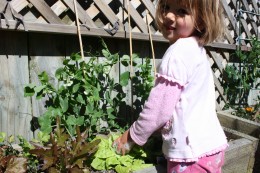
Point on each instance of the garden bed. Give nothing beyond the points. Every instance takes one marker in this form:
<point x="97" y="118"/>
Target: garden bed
<point x="239" y="157"/>
<point x="244" y="126"/>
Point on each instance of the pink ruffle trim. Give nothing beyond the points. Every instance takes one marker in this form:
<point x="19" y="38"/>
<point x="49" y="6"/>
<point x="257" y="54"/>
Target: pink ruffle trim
<point x="219" y="149"/>
<point x="171" y="79"/>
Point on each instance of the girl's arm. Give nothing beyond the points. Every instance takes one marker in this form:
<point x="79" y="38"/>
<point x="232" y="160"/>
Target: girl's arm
<point x="158" y="109"/>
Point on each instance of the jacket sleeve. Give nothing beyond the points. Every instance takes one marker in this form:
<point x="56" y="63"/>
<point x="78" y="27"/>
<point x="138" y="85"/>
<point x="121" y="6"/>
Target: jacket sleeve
<point x="158" y="109"/>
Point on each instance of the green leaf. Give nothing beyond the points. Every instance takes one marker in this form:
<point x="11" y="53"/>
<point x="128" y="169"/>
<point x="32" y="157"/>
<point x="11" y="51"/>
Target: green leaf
<point x="96" y="94"/>
<point x="99" y="164"/>
<point x="11" y="139"/>
<point x="64" y="103"/>
<point x="126" y="160"/>
<point x="79" y="75"/>
<point x="106" y="53"/>
<point x="59" y="72"/>
<point x="43" y="77"/>
<point x="75" y="57"/>
<point x="103" y="44"/>
<point x="29" y="90"/>
<point x="104" y="153"/>
<point x="75" y="88"/>
<point x="80" y="99"/>
<point x="90" y="108"/>
<point x="39" y="88"/>
<point x="72" y="120"/>
<point x="125" y="60"/>
<point x="111" y="162"/>
<point x="2" y="136"/>
<point x="80" y="121"/>
<point x="24" y="143"/>
<point x="124" y="77"/>
<point x="139" y="165"/>
<point x="122" y="169"/>
<point x="43" y="137"/>
<point x="45" y="123"/>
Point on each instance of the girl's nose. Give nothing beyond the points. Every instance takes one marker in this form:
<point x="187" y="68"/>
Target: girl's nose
<point x="170" y="16"/>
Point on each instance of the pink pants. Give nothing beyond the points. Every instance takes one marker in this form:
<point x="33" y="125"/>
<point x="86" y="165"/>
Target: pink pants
<point x="207" y="164"/>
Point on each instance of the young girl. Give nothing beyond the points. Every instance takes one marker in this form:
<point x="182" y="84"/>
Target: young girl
<point x="182" y="102"/>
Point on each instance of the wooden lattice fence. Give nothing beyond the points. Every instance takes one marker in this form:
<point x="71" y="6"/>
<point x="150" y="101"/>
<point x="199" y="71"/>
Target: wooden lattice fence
<point x="35" y="35"/>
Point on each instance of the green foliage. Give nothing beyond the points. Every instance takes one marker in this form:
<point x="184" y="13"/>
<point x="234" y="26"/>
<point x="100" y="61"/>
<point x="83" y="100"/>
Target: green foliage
<point x="64" y="153"/>
<point x="60" y="153"/>
<point x="106" y="157"/>
<point x="240" y="77"/>
<point x="86" y="95"/>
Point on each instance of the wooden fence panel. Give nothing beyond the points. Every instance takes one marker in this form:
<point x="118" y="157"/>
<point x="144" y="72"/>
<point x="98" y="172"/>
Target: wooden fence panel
<point x="15" y="110"/>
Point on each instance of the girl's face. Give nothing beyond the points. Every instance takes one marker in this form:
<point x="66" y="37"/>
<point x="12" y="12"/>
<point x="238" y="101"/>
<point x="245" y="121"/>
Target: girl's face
<point x="177" y="21"/>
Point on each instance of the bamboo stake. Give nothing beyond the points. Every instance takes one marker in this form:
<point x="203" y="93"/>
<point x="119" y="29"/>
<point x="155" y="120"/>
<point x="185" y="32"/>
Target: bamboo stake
<point x="151" y="42"/>
<point x="78" y="29"/>
<point x="130" y="39"/>
<point x="131" y="60"/>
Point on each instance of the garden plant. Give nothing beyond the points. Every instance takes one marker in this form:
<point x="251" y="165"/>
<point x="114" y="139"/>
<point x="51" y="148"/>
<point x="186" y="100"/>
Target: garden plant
<point x="240" y="78"/>
<point x="83" y="116"/>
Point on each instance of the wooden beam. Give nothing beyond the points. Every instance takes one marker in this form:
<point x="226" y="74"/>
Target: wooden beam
<point x="68" y="29"/>
<point x="46" y="11"/>
<point x="227" y="46"/>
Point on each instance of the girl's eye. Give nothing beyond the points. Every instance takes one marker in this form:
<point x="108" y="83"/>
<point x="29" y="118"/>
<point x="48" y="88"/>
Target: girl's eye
<point x="182" y="12"/>
<point x="165" y="7"/>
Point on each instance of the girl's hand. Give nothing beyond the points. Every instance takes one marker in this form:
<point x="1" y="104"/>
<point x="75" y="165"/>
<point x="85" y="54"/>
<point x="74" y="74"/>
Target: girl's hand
<point x="124" y="143"/>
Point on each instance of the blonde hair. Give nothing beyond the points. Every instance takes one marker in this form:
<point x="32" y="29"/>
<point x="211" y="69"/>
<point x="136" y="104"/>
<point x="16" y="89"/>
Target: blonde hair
<point x="207" y="15"/>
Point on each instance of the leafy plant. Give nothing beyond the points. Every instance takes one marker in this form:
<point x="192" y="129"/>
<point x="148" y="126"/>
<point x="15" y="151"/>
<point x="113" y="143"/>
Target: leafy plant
<point x="106" y="157"/>
<point x="64" y="153"/>
<point x="240" y="77"/>
<point x="60" y="153"/>
<point x="86" y="95"/>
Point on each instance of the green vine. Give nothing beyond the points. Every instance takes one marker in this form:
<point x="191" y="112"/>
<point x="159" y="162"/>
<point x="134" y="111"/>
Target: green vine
<point x="88" y="96"/>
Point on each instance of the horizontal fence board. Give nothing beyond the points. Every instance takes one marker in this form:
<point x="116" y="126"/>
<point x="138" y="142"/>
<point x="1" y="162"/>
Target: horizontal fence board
<point x="64" y="29"/>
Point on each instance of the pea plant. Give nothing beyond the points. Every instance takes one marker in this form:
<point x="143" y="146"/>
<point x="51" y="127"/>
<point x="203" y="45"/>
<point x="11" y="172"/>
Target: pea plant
<point x="87" y="95"/>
